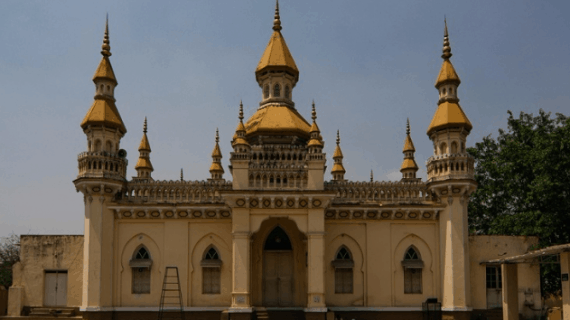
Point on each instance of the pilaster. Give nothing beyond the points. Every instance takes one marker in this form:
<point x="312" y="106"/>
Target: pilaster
<point x="241" y="292"/>
<point x="316" y="256"/>
<point x="510" y="291"/>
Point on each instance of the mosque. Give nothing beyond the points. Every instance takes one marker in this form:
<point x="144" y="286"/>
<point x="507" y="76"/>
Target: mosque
<point x="277" y="240"/>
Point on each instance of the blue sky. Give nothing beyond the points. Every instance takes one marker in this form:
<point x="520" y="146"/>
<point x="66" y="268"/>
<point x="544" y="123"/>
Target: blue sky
<point x="186" y="64"/>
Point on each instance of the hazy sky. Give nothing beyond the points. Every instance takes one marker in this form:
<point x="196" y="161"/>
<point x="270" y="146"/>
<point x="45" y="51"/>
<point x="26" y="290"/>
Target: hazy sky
<point x="186" y="64"/>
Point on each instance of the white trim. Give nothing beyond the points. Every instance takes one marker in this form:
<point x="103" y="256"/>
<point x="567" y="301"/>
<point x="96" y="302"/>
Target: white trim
<point x="457" y="309"/>
<point x="375" y="308"/>
<point x="240" y="310"/>
<point x="149" y="309"/>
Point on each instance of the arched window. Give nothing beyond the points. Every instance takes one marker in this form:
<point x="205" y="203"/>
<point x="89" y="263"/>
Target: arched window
<point x="343" y="274"/>
<point x="211" y="265"/>
<point x="443" y="148"/>
<point x="140" y="266"/>
<point x="277" y="90"/>
<point x="266" y="91"/>
<point x="98" y="145"/>
<point x="454" y="147"/>
<point x="413" y="268"/>
<point x="287" y="92"/>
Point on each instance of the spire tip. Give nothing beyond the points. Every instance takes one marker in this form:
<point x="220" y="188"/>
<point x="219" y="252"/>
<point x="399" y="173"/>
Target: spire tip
<point x="106" y="47"/>
<point x="277" y="20"/>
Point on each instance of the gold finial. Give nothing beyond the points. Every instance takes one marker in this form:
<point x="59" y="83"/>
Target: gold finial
<point x="144" y="126"/>
<point x="240" y="111"/>
<point x="337" y="137"/>
<point x="181" y="175"/>
<point x="371" y="176"/>
<point x="446" y="48"/>
<point x="408" y="127"/>
<point x="106" y="47"/>
<point x="314" y="113"/>
<point x="277" y="21"/>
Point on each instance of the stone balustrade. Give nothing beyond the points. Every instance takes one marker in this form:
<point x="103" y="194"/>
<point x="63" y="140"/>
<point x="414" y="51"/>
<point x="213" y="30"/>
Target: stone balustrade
<point x="174" y="191"/>
<point x="379" y="192"/>
<point x="101" y="164"/>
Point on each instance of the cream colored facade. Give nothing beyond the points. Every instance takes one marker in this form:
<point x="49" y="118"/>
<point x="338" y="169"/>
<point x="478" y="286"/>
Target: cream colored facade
<point x="283" y="236"/>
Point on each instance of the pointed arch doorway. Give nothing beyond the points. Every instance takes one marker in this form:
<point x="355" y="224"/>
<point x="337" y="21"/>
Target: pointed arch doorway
<point x="278" y="275"/>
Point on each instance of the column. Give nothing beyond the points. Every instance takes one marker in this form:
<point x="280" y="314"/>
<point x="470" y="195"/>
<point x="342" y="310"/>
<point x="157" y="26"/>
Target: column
<point x="565" y="269"/>
<point x="241" y="295"/>
<point x="316" y="306"/>
<point x="510" y="291"/>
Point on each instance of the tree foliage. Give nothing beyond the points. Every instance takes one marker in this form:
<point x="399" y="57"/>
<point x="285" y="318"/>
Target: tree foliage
<point x="9" y="255"/>
<point x="524" y="183"/>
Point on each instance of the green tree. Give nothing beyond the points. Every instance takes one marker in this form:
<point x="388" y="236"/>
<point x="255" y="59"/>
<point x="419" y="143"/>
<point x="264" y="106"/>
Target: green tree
<point x="524" y="184"/>
<point x="9" y="255"/>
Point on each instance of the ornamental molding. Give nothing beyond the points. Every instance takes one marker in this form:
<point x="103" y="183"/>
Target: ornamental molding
<point x="413" y="214"/>
<point x="211" y="213"/>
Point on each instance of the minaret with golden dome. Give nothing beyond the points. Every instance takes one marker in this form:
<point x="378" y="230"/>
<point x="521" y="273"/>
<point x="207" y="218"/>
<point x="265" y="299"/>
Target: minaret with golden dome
<point x="216" y="169"/>
<point x="451" y="181"/>
<point x="316" y="144"/>
<point x="338" y="169"/>
<point x="450" y="126"/>
<point x="409" y="165"/>
<point x="103" y="125"/>
<point x="144" y="166"/>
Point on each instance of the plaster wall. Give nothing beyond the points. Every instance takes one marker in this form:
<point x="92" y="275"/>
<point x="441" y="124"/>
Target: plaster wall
<point x="377" y="249"/>
<point x="483" y="248"/>
<point x="49" y="252"/>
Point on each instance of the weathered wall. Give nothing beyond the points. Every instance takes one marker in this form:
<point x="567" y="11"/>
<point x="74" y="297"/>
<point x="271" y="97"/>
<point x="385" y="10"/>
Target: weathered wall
<point x="49" y="252"/>
<point x="483" y="248"/>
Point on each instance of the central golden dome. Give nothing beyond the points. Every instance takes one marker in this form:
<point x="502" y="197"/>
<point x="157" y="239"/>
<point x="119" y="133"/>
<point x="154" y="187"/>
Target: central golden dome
<point x="277" y="121"/>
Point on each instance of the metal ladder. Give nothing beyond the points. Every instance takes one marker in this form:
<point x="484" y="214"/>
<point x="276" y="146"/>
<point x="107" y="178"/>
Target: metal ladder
<point x="171" y="297"/>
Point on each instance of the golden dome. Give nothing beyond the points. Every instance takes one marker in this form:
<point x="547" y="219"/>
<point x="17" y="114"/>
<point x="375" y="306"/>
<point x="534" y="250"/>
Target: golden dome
<point x="338" y="167"/>
<point x="449" y="114"/>
<point x="337" y="152"/>
<point x="277" y="120"/>
<point x="105" y="70"/>
<point x="217" y="152"/>
<point x="104" y="112"/>
<point x="144" y="146"/>
<point x="216" y="166"/>
<point x="409" y="164"/>
<point x="408" y="144"/>
<point x="447" y="74"/>
<point x="277" y="54"/>
<point x="314" y="142"/>
<point x="144" y="163"/>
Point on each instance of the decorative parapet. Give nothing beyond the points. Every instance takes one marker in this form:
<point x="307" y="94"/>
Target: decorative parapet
<point x="146" y="191"/>
<point x="102" y="164"/>
<point x="379" y="192"/>
<point x="450" y="166"/>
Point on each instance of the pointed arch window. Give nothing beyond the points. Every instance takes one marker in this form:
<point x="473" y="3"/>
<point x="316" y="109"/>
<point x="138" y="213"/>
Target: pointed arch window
<point x="413" y="269"/>
<point x="140" y="266"/>
<point x="277" y="90"/>
<point x="343" y="271"/>
<point x="266" y="91"/>
<point x="287" y="92"/>
<point x="211" y="267"/>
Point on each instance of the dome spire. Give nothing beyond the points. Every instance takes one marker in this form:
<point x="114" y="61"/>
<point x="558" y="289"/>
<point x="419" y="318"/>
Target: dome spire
<point x="181" y="174"/>
<point x="446" y="47"/>
<point x="315" y="133"/>
<point x="371" y="176"/>
<point x="277" y="21"/>
<point x="106" y="47"/>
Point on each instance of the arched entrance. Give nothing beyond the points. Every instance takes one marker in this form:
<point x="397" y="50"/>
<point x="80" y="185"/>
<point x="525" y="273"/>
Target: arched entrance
<point x="278" y="269"/>
<point x="278" y="264"/>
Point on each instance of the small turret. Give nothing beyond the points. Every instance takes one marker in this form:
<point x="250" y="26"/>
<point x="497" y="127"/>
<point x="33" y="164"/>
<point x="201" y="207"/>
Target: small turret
<point x="409" y="165"/>
<point x="338" y="169"/>
<point x="315" y="145"/>
<point x="239" y="143"/>
<point x="144" y="166"/>
<point x="216" y="169"/>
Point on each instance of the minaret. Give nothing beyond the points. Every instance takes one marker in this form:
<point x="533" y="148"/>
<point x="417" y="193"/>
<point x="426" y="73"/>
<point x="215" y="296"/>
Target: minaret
<point x="409" y="165"/>
<point x="338" y="169"/>
<point x="277" y="73"/>
<point x="144" y="166"/>
<point x="451" y="181"/>
<point x="216" y="169"/>
<point x="102" y="170"/>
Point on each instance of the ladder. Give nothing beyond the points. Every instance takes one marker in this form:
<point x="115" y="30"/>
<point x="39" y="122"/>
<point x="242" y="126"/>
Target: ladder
<point x="171" y="297"/>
